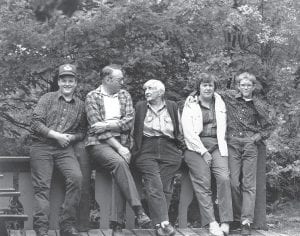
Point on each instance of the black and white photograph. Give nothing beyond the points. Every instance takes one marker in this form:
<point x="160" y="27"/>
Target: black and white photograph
<point x="149" y="118"/>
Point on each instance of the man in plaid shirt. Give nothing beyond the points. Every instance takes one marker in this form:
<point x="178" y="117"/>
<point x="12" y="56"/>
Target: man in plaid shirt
<point x="110" y="114"/>
<point x="58" y="124"/>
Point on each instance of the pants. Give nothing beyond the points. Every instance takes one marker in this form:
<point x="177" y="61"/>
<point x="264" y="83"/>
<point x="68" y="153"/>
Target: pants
<point x="158" y="162"/>
<point x="123" y="187"/>
<point x="243" y="161"/>
<point x="200" y="174"/>
<point x="43" y="159"/>
<point x="85" y="200"/>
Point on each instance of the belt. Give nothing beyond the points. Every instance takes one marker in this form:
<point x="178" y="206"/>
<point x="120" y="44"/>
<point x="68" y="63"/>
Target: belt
<point x="242" y="134"/>
<point x="157" y="138"/>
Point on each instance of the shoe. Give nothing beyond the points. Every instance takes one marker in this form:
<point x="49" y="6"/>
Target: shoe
<point x="117" y="230"/>
<point x="246" y="229"/>
<point x="41" y="233"/>
<point x="225" y="228"/>
<point x="69" y="231"/>
<point x="214" y="229"/>
<point x="142" y="221"/>
<point x="168" y="230"/>
<point x="235" y="226"/>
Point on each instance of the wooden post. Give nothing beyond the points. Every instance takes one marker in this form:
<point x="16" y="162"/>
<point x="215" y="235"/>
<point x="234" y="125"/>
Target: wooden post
<point x="260" y="204"/>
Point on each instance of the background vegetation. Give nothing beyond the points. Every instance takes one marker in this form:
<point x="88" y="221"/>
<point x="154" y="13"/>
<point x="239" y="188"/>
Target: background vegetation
<point x="170" y="40"/>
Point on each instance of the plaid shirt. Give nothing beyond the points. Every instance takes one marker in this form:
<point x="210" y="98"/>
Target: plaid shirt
<point x="246" y="116"/>
<point x="53" y="112"/>
<point x="94" y="106"/>
<point x="209" y="120"/>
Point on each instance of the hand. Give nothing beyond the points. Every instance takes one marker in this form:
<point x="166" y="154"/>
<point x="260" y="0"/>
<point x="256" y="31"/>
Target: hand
<point x="207" y="158"/>
<point x="113" y="125"/>
<point x="98" y="127"/>
<point x="71" y="137"/>
<point x="63" y="139"/>
<point x="125" y="153"/>
<point x="256" y="137"/>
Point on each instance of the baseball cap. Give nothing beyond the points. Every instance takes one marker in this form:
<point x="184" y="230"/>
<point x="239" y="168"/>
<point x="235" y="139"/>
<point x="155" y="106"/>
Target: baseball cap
<point x="67" y="69"/>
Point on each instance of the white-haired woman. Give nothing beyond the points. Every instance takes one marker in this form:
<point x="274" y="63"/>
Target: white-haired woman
<point x="156" y="151"/>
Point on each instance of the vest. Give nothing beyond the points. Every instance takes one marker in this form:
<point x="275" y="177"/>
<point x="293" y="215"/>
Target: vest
<point x="140" y="114"/>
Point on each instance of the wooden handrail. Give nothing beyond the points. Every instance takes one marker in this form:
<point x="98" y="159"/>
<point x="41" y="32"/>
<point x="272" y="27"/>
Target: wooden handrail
<point x="14" y="158"/>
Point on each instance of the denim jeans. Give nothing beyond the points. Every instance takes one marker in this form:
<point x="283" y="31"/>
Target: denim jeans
<point x="123" y="185"/>
<point x="158" y="162"/>
<point x="85" y="200"/>
<point x="43" y="158"/>
<point x="242" y="163"/>
<point x="200" y="174"/>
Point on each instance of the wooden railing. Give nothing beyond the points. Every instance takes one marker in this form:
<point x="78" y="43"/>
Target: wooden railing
<point x="12" y="167"/>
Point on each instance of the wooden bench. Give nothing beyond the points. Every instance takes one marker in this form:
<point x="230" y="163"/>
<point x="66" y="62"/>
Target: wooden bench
<point x="11" y="165"/>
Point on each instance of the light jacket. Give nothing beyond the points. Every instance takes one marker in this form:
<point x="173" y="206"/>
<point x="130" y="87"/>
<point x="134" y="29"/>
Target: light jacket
<point x="192" y="124"/>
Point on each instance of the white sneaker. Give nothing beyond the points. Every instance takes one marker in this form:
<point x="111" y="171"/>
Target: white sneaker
<point x="225" y="228"/>
<point x="214" y="229"/>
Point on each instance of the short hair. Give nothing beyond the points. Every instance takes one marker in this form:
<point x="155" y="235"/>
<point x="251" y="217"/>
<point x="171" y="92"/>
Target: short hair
<point x="247" y="76"/>
<point x="155" y="83"/>
<point x="205" y="78"/>
<point x="108" y="70"/>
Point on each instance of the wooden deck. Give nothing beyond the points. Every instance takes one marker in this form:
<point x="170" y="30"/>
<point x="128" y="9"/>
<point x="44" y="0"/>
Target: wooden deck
<point x="141" y="232"/>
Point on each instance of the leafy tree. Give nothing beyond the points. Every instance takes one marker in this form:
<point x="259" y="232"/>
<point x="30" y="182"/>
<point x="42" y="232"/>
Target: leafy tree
<point x="167" y="40"/>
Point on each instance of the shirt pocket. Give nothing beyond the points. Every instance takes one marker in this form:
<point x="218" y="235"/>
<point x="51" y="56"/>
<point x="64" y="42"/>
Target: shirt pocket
<point x="149" y="119"/>
<point x="168" y="124"/>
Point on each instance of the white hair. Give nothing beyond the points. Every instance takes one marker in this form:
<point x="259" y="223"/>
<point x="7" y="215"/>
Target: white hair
<point x="155" y="83"/>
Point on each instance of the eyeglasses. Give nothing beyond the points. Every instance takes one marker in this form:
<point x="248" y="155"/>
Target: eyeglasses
<point x="120" y="80"/>
<point x="246" y="85"/>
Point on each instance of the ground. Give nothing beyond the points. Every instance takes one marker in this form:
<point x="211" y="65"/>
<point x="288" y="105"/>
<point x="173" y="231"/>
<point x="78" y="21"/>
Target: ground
<point x="285" y="219"/>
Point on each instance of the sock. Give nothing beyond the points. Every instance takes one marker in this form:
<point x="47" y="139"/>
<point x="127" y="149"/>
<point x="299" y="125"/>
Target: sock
<point x="246" y="222"/>
<point x="164" y="223"/>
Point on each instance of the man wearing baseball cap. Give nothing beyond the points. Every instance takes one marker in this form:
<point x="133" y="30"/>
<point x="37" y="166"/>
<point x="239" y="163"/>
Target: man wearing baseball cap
<point x="58" y="121"/>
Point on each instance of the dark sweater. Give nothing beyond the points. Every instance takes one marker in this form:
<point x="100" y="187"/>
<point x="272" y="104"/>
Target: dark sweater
<point x="140" y="114"/>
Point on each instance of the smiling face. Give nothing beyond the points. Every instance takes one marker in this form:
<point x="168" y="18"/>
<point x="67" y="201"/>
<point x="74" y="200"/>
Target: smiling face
<point x="67" y="85"/>
<point x="246" y="87"/>
<point x="206" y="90"/>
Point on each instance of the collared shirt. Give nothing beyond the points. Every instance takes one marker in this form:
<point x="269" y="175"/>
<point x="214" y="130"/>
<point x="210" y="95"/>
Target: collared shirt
<point x="246" y="117"/>
<point x="158" y="122"/>
<point x="112" y="108"/>
<point x="53" y="112"/>
<point x="209" y="120"/>
<point x="95" y="110"/>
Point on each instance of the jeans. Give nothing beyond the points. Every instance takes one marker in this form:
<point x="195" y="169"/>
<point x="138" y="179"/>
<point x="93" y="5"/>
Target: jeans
<point x="158" y="162"/>
<point x="85" y="200"/>
<point x="242" y="162"/>
<point x="123" y="185"/>
<point x="43" y="158"/>
<point x="200" y="174"/>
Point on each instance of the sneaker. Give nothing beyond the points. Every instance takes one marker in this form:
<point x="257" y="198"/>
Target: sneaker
<point x="142" y="221"/>
<point x="214" y="229"/>
<point x="246" y="229"/>
<point x="225" y="228"/>
<point x="168" y="230"/>
<point x="117" y="230"/>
